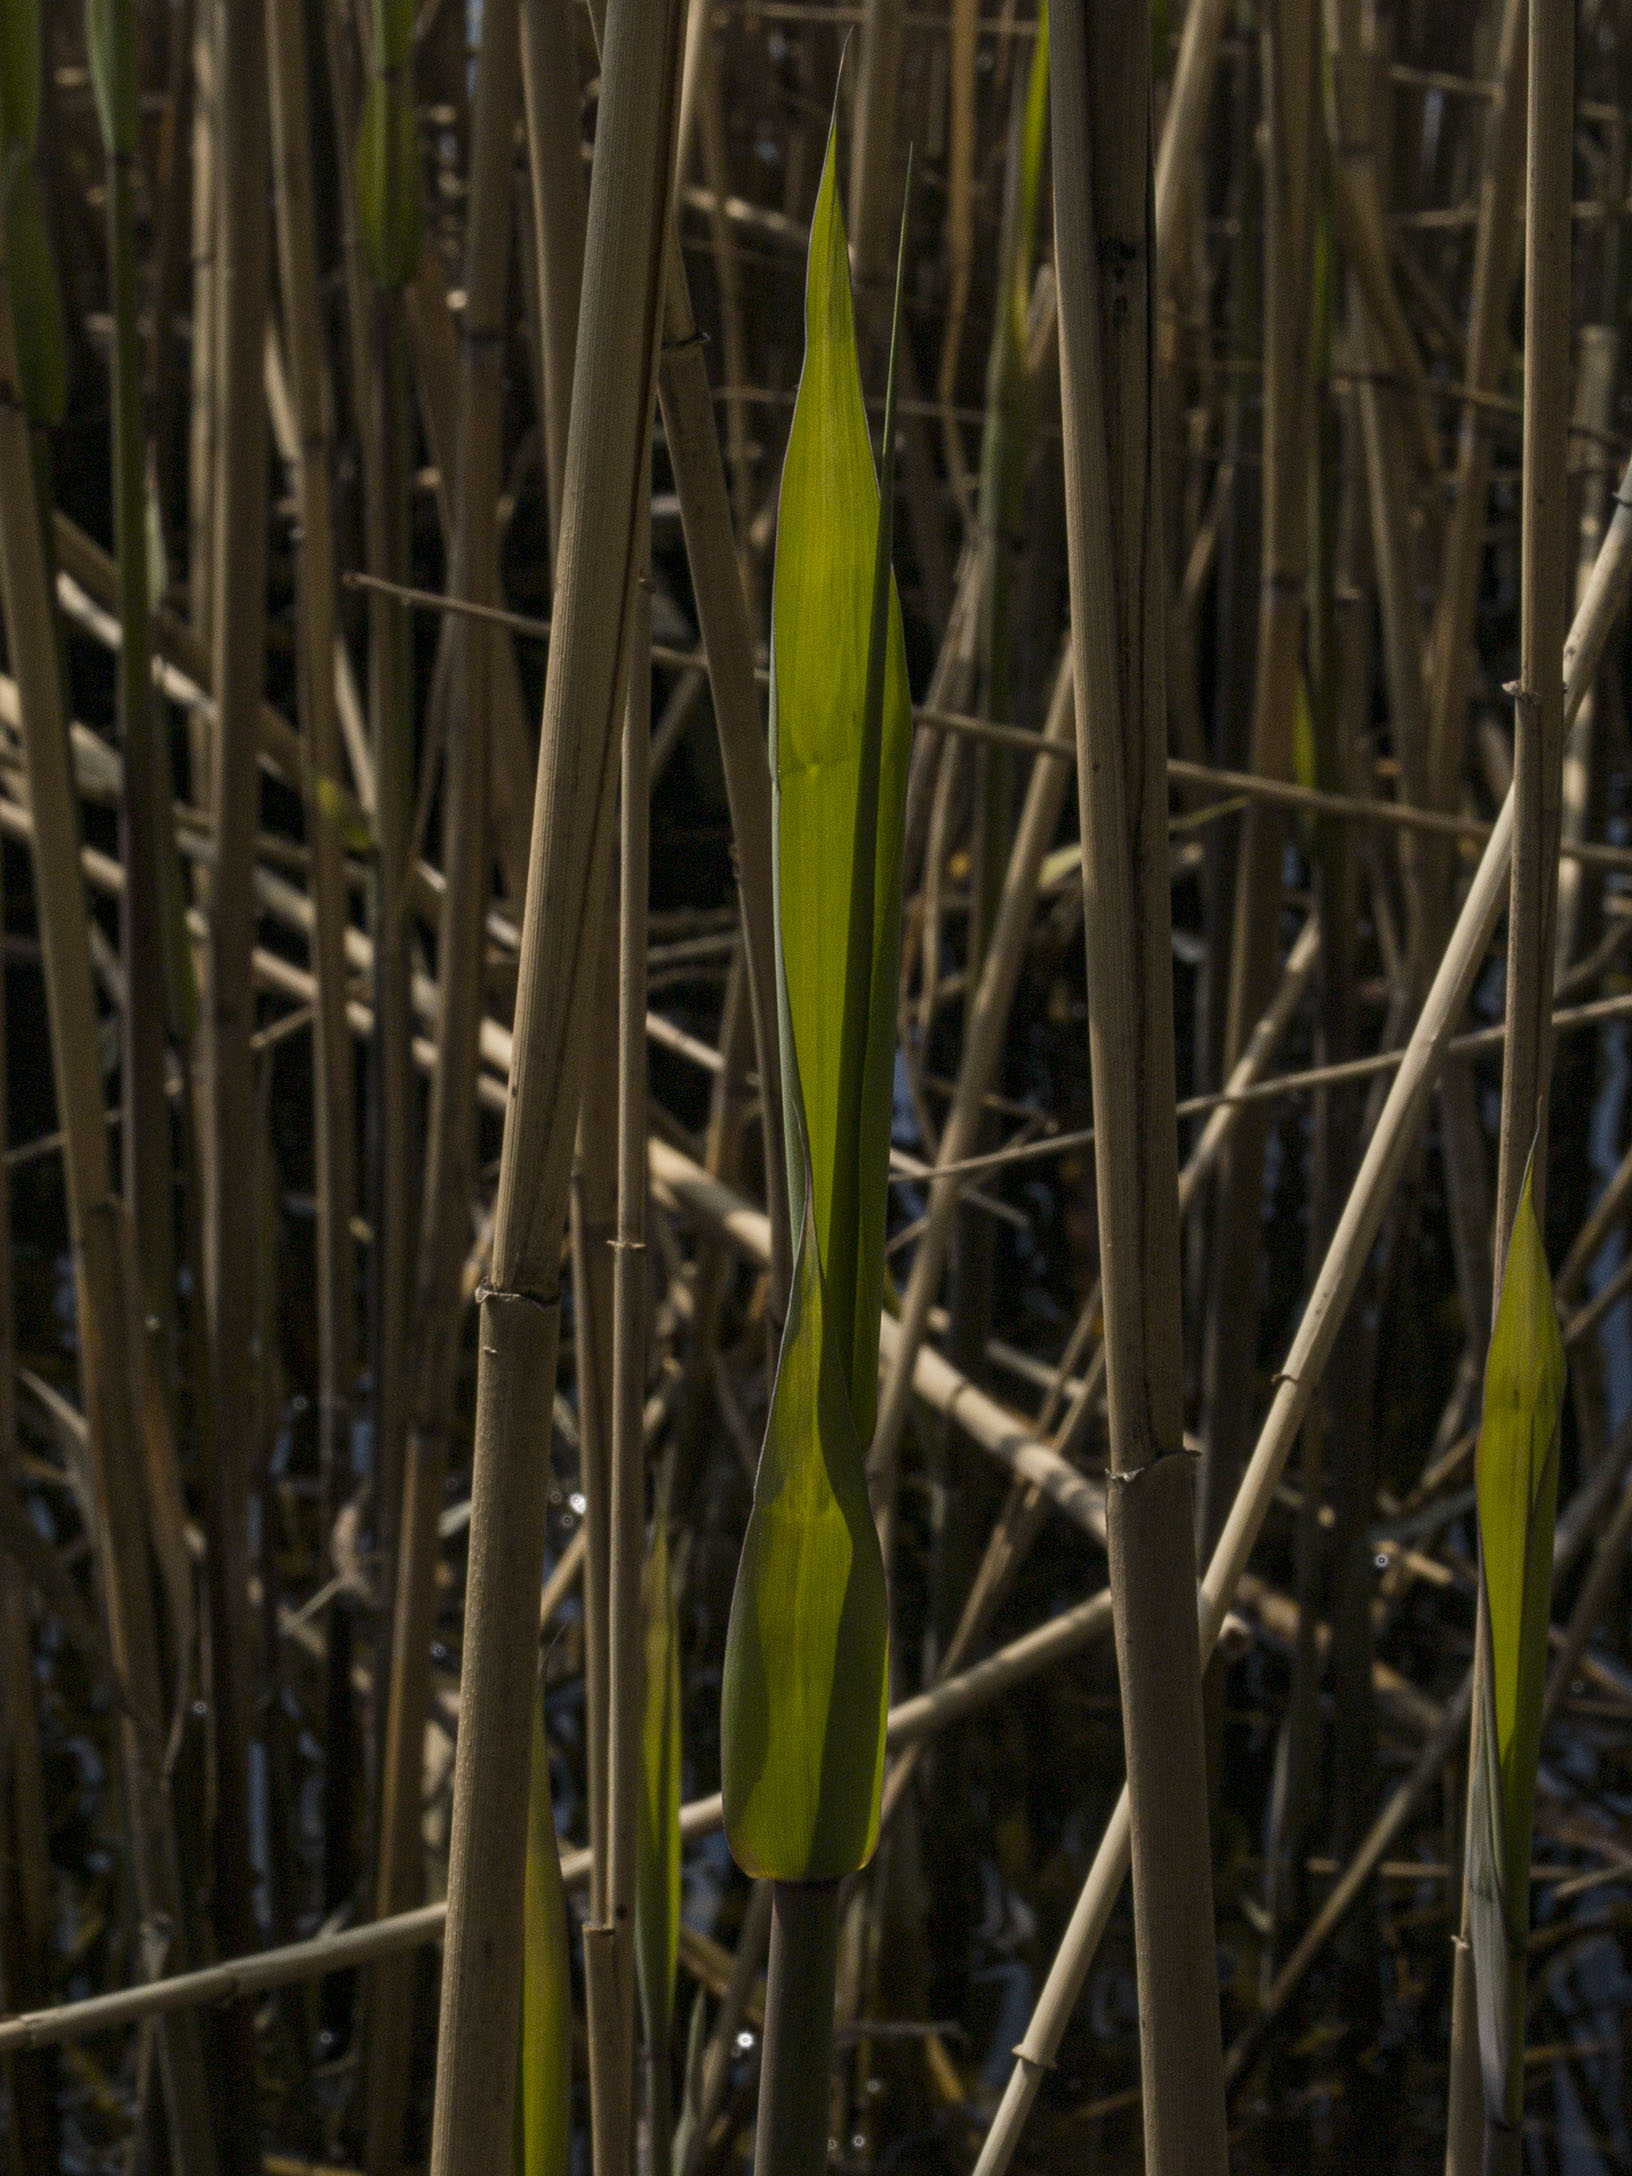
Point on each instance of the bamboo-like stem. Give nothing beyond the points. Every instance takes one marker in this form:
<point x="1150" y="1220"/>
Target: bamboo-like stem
<point x="1495" y="264"/>
<point x="1103" y="261"/>
<point x="437" y="1315"/>
<point x="1182" y="128"/>
<point x="150" y="927"/>
<point x="435" y="346"/>
<point x="98" y="1228"/>
<point x="566" y="892"/>
<point x="613" y="2065"/>
<point x="1537" y="782"/>
<point x="796" y="2059"/>
<point x="238" y="652"/>
<point x="1289" y="49"/>
<point x="550" y="82"/>
<point x="333" y="1073"/>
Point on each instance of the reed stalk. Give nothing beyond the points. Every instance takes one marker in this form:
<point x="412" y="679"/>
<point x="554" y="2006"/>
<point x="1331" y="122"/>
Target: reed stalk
<point x="158" y="972"/>
<point x="1289" y="64"/>
<point x="333" y="1107"/>
<point x="450" y="1149"/>
<point x="549" y="75"/>
<point x="1539" y="702"/>
<point x="1104" y="265"/>
<point x="237" y="660"/>
<point x="567" y="885"/>
<point x="613" y="2074"/>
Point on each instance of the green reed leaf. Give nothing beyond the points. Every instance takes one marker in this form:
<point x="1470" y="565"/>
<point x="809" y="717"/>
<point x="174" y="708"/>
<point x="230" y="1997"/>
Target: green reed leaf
<point x="1517" y="1484"/>
<point x="543" y="2121"/>
<point x="657" y="1866"/>
<point x="806" y="1663"/>
<point x="827" y="535"/>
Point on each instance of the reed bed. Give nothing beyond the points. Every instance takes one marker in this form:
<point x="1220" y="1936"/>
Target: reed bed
<point x="800" y="1130"/>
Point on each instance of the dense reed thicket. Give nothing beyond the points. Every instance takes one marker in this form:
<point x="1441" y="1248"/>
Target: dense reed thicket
<point x="815" y="1043"/>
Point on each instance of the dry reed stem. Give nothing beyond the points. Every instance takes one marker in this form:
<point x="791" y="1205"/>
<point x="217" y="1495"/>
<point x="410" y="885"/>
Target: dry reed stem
<point x="1103" y="260"/>
<point x="566" y="891"/>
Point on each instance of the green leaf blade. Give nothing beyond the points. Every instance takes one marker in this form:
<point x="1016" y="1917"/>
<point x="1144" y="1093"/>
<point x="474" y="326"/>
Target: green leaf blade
<point x="827" y="535"/>
<point x="657" y="1870"/>
<point x="1516" y="1479"/>
<point x="806" y="1655"/>
<point x="543" y="2125"/>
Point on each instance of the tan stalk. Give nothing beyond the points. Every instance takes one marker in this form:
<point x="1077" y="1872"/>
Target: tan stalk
<point x="613" y="2070"/>
<point x="1538" y="755"/>
<point x="437" y="1316"/>
<point x="1104" y="235"/>
<point x="238" y="662"/>
<point x="549" y="72"/>
<point x="1289" y="69"/>
<point x="566" y="891"/>
<point x="1496" y="262"/>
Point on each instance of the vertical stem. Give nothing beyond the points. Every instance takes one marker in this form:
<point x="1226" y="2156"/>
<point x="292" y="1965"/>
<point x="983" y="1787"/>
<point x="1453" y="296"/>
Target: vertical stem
<point x="333" y="1098"/>
<point x="451" y="1144"/>
<point x="1103" y="253"/>
<point x="628" y="1490"/>
<point x="1537" y="787"/>
<point x="1289" y="50"/>
<point x="796" y="2061"/>
<point x="549" y="71"/>
<point x="238" y="657"/>
<point x="606" y="490"/>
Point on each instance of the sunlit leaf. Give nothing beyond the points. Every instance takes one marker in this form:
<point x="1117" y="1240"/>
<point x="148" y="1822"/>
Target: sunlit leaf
<point x="543" y="2122"/>
<point x="1517" y="1482"/>
<point x="827" y="532"/>
<point x="804" y="1691"/>
<point x="806" y="1665"/>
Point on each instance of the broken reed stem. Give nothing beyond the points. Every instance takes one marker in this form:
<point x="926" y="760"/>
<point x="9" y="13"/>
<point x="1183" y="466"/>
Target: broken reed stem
<point x="566" y="893"/>
<point x="1103" y="245"/>
<point x="238" y="660"/>
<point x="450" y="1156"/>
